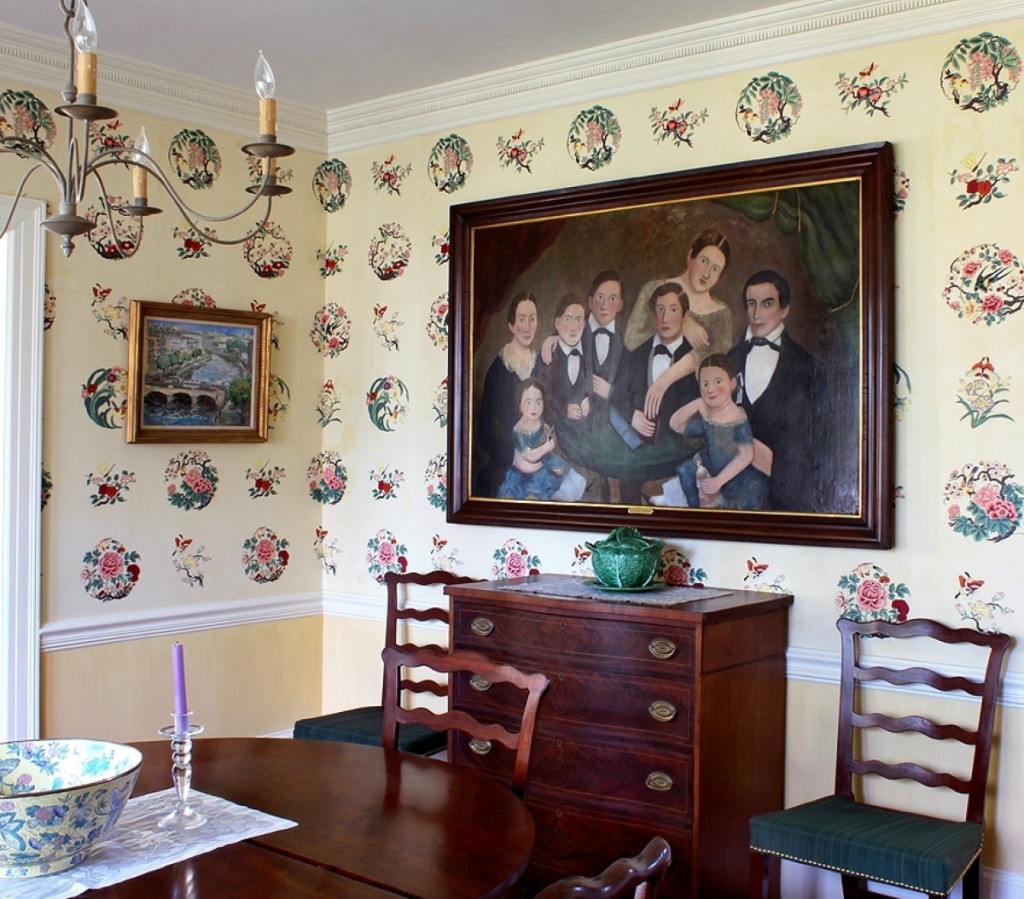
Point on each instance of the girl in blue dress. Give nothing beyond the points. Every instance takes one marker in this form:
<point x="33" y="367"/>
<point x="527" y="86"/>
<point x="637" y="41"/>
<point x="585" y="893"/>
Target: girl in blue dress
<point x="537" y="471"/>
<point x="721" y="474"/>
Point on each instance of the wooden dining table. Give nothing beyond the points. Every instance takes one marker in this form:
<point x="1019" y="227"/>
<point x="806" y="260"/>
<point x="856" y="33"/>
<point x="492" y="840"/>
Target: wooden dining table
<point x="371" y="823"/>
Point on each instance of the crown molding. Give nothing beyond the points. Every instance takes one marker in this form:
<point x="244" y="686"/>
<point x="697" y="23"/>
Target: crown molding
<point x="37" y="61"/>
<point x="785" y="33"/>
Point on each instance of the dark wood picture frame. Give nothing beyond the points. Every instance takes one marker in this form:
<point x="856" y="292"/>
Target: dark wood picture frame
<point x="824" y="219"/>
<point x="197" y="374"/>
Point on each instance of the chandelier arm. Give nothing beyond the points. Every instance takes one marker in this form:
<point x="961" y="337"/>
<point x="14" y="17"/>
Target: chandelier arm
<point x="110" y="210"/>
<point x="32" y="150"/>
<point x="17" y="196"/>
<point x="194" y="218"/>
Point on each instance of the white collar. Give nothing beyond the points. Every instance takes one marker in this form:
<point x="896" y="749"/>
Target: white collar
<point x="775" y="337"/>
<point x="595" y="324"/>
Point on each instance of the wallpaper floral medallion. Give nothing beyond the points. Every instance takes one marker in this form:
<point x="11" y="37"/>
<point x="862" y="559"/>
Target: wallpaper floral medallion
<point x="109" y="135"/>
<point x="265" y="478"/>
<point x="985" y="285"/>
<point x="49" y="307"/>
<point x="868" y="593"/>
<point x="440" y="404"/>
<point x="111" y="314"/>
<point x="110" y="570"/>
<point x="390" y="252"/>
<point x="46" y="492"/>
<point x="276" y="322"/>
<point x="194" y="158"/>
<point x="191" y="480"/>
<point x="264" y="556"/>
<point x="327" y="478"/>
<point x="450" y="162"/>
<point x="117" y="241"/>
<point x="326" y="551"/>
<point x="979" y="72"/>
<point x="435" y="479"/>
<point x="581" y="564"/>
<point x="971" y="604"/>
<point x="194" y="296"/>
<point x="902" y="391"/>
<point x="983" y="501"/>
<point x="26" y="116"/>
<point x="279" y="400"/>
<point x="901" y="190"/>
<point x="332" y="184"/>
<point x="105" y="395"/>
<point x="385" y="327"/>
<point x="331" y="330"/>
<point x="768" y="108"/>
<point x="594" y="137"/>
<point x="385" y="481"/>
<point x="387" y="402"/>
<point x="384" y="553"/>
<point x="678" y="571"/>
<point x="388" y="175"/>
<point x="269" y="251"/>
<point x="189" y="560"/>
<point x="437" y="322"/>
<point x="443" y="557"/>
<point x="868" y="90"/>
<point x="110" y="486"/>
<point x="328" y="405"/>
<point x="979" y="389"/>
<point x="330" y="259"/>
<point x="518" y="151"/>
<point x="758" y="577"/>
<point x="979" y="183"/>
<point x="194" y="245"/>
<point x="513" y="559"/>
<point x="675" y="124"/>
<point x="442" y="248"/>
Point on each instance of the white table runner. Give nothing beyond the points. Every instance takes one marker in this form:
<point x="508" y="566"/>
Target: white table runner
<point x="138" y="845"/>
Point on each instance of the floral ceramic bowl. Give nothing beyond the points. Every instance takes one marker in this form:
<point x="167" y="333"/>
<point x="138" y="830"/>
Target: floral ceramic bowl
<point x="626" y="560"/>
<point x="58" y="798"/>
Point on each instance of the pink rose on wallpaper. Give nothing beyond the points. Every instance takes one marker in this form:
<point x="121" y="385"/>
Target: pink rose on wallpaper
<point x="992" y="303"/>
<point x="386" y="553"/>
<point x="953" y="511"/>
<point x="265" y="550"/>
<point x="1006" y="256"/>
<point x="110" y="564"/>
<point x="515" y="565"/>
<point x="1002" y="509"/>
<point x="871" y="595"/>
<point x="985" y="494"/>
<point x="675" y="576"/>
<point x="971" y="268"/>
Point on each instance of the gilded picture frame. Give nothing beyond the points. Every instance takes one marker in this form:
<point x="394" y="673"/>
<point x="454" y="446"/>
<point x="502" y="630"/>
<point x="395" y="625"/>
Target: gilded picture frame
<point x="197" y="374"/>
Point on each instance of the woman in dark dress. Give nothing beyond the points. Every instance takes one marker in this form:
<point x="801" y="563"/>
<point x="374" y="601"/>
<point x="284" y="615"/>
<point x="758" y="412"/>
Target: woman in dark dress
<point x="497" y="412"/>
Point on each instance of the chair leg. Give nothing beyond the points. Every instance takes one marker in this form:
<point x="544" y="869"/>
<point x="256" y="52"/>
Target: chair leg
<point x="972" y="881"/>
<point x="764" y="875"/>
<point x="854" y="887"/>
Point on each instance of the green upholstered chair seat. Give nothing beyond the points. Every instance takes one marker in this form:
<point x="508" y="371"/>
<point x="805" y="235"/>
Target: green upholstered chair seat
<point x="912" y="851"/>
<point x="365" y="726"/>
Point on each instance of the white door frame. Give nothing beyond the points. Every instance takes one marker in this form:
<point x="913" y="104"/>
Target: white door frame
<point x="21" y="432"/>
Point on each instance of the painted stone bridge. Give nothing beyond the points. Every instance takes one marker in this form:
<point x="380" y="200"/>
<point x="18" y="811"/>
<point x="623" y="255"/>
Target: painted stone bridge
<point x="186" y="393"/>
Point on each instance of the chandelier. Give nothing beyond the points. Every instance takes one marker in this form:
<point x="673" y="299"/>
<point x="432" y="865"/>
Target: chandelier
<point x="81" y="109"/>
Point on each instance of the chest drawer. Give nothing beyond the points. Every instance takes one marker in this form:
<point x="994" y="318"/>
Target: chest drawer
<point x="627" y="706"/>
<point x="628" y="646"/>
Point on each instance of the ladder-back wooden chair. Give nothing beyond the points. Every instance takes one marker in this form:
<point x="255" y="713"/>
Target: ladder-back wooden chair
<point x="870" y="843"/>
<point x="435" y="661"/>
<point x="365" y="725"/>
<point x="640" y="877"/>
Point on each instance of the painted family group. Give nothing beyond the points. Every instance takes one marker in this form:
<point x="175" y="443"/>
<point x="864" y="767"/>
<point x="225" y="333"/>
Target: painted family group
<point x="679" y="403"/>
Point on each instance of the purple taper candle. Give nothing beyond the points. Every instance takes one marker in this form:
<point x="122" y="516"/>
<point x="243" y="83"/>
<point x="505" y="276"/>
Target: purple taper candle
<point x="180" y="700"/>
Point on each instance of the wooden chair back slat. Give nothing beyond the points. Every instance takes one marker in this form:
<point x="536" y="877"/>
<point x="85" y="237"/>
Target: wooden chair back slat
<point x="640" y="876"/>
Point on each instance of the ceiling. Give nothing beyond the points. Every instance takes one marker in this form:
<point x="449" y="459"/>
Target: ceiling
<point x="328" y="54"/>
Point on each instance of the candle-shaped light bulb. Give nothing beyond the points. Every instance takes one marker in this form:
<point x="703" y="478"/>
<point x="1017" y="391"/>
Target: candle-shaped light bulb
<point x="265" y="86"/>
<point x="83" y="28"/>
<point x="83" y="32"/>
<point x="139" y="177"/>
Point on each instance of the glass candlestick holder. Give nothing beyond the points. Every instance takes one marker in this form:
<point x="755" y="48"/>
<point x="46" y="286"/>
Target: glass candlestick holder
<point x="185" y="816"/>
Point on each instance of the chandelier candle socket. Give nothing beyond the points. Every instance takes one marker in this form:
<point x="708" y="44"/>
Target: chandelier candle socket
<point x="265" y="87"/>
<point x="139" y="174"/>
<point x="83" y="32"/>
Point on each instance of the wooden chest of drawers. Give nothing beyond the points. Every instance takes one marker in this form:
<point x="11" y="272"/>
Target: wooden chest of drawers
<point x="659" y="720"/>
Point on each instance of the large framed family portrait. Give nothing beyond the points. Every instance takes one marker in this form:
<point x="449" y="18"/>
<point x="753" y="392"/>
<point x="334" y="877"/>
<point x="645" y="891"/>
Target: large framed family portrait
<point x="703" y="354"/>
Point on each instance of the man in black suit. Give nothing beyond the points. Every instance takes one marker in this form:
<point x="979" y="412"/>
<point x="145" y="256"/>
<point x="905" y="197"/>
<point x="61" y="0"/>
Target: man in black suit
<point x="782" y="390"/>
<point x="602" y="340"/>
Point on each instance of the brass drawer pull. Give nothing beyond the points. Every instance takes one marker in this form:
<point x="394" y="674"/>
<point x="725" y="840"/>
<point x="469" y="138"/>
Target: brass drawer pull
<point x="482" y="626"/>
<point x="659" y="781"/>
<point x="480" y="747"/>
<point x="662" y="648"/>
<point x="662" y="710"/>
<point x="479" y="683"/>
